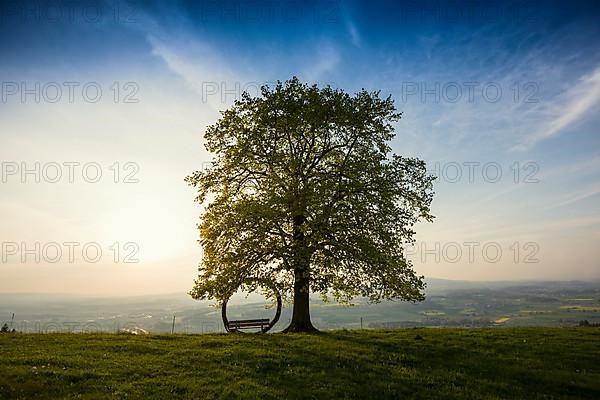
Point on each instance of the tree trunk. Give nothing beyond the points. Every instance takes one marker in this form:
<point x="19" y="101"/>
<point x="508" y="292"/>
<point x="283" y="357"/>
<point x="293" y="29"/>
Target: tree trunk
<point x="301" y="313"/>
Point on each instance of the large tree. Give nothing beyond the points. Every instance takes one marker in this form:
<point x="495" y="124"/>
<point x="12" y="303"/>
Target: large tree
<point x="303" y="192"/>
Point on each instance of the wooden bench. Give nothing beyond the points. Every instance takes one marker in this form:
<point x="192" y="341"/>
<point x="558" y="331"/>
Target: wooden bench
<point x="248" y="324"/>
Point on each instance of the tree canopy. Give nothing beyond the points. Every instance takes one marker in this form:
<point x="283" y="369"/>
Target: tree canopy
<point x="303" y="191"/>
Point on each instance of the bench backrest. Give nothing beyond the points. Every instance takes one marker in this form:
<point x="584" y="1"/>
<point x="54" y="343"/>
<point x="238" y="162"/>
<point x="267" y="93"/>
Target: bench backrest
<point x="249" y="323"/>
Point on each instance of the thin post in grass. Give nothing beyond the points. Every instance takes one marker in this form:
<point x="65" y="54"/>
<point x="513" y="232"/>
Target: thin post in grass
<point x="173" y="326"/>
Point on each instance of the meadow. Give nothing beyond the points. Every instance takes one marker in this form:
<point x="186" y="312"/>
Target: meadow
<point x="420" y="363"/>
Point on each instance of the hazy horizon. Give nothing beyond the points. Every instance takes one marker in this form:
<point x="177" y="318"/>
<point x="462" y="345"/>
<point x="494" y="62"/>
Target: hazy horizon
<point x="432" y="283"/>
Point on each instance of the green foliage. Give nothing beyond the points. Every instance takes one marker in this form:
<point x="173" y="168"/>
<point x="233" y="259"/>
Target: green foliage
<point x="504" y="363"/>
<point x="303" y="180"/>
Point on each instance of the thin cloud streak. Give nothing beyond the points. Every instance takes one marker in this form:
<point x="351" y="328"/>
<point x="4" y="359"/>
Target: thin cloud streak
<point x="572" y="107"/>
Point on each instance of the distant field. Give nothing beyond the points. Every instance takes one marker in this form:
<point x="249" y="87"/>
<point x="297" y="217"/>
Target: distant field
<point x="448" y="304"/>
<point x="500" y="363"/>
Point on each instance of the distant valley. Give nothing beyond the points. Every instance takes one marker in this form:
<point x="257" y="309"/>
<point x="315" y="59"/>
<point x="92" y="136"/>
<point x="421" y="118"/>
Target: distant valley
<point x="448" y="304"/>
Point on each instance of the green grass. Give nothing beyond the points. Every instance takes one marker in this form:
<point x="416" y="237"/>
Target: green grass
<point x="507" y="363"/>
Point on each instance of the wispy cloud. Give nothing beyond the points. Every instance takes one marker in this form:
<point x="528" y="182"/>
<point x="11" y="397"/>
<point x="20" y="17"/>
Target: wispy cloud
<point x="570" y="108"/>
<point x="201" y="68"/>
<point x="354" y="34"/>
<point x="583" y="194"/>
<point x="326" y="58"/>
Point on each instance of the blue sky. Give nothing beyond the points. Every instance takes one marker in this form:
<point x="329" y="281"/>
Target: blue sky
<point x="494" y="86"/>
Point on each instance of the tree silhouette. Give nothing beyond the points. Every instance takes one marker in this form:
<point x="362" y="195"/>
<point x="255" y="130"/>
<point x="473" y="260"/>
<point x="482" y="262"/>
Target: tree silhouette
<point x="303" y="191"/>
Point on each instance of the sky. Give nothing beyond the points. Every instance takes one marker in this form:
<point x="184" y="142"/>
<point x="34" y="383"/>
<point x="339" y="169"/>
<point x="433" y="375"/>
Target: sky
<point x="104" y="105"/>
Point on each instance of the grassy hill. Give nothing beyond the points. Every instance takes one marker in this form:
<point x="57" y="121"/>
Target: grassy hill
<point x="511" y="363"/>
